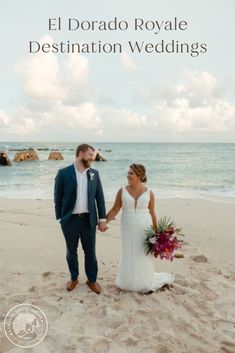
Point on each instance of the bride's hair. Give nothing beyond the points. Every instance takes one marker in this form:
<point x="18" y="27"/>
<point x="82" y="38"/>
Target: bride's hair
<point x="140" y="171"/>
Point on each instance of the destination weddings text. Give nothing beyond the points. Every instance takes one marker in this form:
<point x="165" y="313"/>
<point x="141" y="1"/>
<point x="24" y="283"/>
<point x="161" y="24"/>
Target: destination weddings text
<point x="155" y="27"/>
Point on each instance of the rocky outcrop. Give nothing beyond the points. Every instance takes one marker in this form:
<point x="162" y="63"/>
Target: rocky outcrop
<point x="27" y="155"/>
<point x="56" y="156"/>
<point x="98" y="157"/>
<point x="4" y="160"/>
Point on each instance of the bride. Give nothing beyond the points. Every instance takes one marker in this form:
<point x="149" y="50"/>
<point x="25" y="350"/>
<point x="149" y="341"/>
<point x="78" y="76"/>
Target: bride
<point x="136" y="269"/>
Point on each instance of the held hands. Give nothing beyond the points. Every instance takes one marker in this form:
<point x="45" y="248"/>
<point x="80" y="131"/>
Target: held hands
<point x="102" y="226"/>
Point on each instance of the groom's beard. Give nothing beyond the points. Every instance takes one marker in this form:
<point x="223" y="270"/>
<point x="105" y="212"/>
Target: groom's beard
<point x="86" y="163"/>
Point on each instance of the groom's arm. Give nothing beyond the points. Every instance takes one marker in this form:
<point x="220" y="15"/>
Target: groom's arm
<point x="58" y="194"/>
<point x="100" y="202"/>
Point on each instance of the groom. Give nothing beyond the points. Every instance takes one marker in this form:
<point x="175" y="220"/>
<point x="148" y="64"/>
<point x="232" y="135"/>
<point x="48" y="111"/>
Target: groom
<point x="78" y="194"/>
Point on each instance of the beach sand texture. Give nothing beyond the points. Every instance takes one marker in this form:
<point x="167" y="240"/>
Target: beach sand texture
<point x="195" y="315"/>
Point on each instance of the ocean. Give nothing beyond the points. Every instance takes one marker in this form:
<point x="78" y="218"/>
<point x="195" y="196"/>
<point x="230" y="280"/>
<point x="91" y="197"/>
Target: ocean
<point x="174" y="170"/>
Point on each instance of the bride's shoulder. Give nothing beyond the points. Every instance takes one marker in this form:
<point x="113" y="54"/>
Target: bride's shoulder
<point x="118" y="199"/>
<point x="120" y="191"/>
<point x="151" y="194"/>
<point x="148" y="190"/>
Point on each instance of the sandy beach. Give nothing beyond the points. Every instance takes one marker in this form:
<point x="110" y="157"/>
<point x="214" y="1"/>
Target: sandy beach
<point x="195" y="315"/>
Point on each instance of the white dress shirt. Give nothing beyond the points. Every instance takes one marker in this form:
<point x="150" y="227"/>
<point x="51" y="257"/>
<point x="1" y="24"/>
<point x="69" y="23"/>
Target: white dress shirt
<point x="81" y="205"/>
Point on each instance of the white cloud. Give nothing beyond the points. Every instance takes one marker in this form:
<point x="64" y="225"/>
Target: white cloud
<point x="124" y="124"/>
<point x="58" y="103"/>
<point x="40" y="75"/>
<point x="46" y="79"/>
<point x="182" y="118"/>
<point x="77" y="67"/>
<point x="82" y="117"/>
<point x="25" y="127"/>
<point x="62" y="120"/>
<point x="193" y="105"/>
<point x="128" y="63"/>
<point x="22" y="122"/>
<point x="56" y="95"/>
<point x="4" y="119"/>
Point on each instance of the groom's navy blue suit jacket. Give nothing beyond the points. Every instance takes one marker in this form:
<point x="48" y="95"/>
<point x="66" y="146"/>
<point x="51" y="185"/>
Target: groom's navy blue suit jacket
<point x="65" y="194"/>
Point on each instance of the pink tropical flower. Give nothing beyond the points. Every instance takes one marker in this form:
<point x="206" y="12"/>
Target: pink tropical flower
<point x="162" y="241"/>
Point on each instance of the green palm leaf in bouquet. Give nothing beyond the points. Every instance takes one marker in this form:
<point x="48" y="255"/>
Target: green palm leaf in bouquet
<point x="166" y="223"/>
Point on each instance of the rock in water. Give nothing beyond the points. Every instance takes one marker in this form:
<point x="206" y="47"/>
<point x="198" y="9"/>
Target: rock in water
<point x="56" y="156"/>
<point x="98" y="157"/>
<point x="4" y="160"/>
<point x="28" y="155"/>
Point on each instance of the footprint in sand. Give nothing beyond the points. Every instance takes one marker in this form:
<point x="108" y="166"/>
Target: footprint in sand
<point x="32" y="289"/>
<point x="162" y="349"/>
<point x="178" y="290"/>
<point x="206" y="292"/>
<point x="228" y="327"/>
<point x="130" y="341"/>
<point x="200" y="258"/>
<point x="225" y="308"/>
<point x="47" y="274"/>
<point x="63" y="274"/>
<point x="101" y="345"/>
<point x="227" y="347"/>
<point x="183" y="282"/>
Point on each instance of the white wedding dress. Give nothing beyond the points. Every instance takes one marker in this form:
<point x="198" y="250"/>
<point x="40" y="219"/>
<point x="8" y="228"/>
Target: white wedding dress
<point x="136" y="269"/>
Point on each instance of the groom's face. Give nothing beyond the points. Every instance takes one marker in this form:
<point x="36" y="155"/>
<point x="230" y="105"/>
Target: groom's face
<point x="87" y="157"/>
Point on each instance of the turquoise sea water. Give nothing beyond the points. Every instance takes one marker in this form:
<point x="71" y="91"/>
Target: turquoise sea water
<point x="173" y="169"/>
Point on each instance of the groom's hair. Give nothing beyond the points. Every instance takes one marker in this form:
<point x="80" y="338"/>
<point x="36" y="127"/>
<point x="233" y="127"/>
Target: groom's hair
<point x="83" y="147"/>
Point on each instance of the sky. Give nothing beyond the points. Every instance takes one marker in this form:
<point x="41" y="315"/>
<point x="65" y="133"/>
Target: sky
<point x="117" y="97"/>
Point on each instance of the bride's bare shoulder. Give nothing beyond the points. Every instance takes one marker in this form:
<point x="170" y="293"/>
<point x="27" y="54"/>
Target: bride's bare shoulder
<point x="119" y="193"/>
<point x="118" y="199"/>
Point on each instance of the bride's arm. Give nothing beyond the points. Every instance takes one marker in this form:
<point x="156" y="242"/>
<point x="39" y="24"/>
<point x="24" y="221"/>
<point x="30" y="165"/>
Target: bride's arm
<point x="152" y="209"/>
<point x="116" y="207"/>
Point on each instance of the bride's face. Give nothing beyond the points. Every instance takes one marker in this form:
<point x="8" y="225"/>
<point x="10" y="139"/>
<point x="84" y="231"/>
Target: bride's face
<point x="132" y="177"/>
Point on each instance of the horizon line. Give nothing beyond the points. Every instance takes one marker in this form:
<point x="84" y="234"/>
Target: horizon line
<point x="130" y="142"/>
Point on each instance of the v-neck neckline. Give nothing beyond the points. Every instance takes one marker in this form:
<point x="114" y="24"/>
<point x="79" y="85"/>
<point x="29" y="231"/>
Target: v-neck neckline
<point x="136" y="200"/>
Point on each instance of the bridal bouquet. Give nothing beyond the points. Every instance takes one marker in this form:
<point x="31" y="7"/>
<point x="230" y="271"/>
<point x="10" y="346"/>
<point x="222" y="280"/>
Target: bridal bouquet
<point x="162" y="240"/>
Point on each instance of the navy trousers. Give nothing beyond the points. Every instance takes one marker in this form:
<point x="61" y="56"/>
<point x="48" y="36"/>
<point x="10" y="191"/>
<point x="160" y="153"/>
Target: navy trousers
<point x="79" y="228"/>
